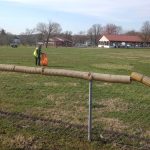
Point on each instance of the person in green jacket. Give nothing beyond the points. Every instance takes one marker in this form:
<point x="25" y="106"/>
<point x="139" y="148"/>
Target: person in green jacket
<point x="39" y="55"/>
<point x="35" y="54"/>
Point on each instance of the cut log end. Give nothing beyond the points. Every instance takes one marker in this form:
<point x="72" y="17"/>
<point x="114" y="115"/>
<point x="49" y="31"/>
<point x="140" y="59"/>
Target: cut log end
<point x="140" y="78"/>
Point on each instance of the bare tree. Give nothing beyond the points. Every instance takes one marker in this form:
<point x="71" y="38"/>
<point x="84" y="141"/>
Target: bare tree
<point x="146" y="31"/>
<point x="67" y="35"/>
<point x="132" y="32"/>
<point x="3" y="37"/>
<point x="6" y="38"/>
<point x="46" y="30"/>
<point x="28" y="37"/>
<point x="80" y="38"/>
<point x="42" y="29"/>
<point x="112" y="29"/>
<point x="95" y="32"/>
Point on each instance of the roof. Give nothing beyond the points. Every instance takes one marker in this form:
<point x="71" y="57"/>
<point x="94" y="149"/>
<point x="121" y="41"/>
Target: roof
<point x="123" y="38"/>
<point x="57" y="39"/>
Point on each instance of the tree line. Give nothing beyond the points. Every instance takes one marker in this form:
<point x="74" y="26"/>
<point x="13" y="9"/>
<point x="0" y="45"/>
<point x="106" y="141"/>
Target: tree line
<point x="43" y="31"/>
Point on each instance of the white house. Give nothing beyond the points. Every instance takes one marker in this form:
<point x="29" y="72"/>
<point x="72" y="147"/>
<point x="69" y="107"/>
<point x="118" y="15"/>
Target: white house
<point x="108" y="41"/>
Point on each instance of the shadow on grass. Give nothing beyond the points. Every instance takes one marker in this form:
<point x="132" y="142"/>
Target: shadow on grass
<point x="62" y="67"/>
<point x="80" y="132"/>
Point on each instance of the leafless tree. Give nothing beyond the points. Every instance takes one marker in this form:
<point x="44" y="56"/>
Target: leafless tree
<point x="146" y="31"/>
<point x="3" y="37"/>
<point x="95" y="32"/>
<point x="42" y="29"/>
<point x="132" y="32"/>
<point x="46" y="30"/>
<point x="67" y="35"/>
<point x="79" y="39"/>
<point x="28" y="37"/>
<point x="112" y="29"/>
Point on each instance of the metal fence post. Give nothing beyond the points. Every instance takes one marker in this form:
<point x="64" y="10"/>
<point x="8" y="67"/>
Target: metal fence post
<point x="90" y="111"/>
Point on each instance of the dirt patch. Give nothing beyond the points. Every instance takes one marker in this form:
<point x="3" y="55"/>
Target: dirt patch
<point x="145" y="61"/>
<point x="20" y="141"/>
<point x="71" y="84"/>
<point x="113" y="124"/>
<point x="26" y="75"/>
<point x="103" y="84"/>
<point x="132" y="57"/>
<point x="147" y="134"/>
<point x="56" y="84"/>
<point x="59" y="97"/>
<point x="112" y="105"/>
<point x="77" y="115"/>
<point x="7" y="73"/>
<point x="53" y="84"/>
<point x="6" y="106"/>
<point x="47" y="113"/>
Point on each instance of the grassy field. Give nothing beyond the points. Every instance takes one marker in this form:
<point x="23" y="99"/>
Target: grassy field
<point x="46" y="112"/>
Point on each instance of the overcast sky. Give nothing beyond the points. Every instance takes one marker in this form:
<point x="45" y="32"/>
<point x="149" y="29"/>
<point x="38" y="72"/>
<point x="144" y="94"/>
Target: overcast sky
<point x="73" y="15"/>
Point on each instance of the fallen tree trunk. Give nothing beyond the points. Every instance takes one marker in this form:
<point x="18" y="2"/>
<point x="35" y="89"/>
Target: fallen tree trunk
<point x="140" y="78"/>
<point x="111" y="78"/>
<point x="67" y="73"/>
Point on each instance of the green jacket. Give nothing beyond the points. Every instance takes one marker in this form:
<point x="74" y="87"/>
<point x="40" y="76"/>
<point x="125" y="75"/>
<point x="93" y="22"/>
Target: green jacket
<point x="35" y="54"/>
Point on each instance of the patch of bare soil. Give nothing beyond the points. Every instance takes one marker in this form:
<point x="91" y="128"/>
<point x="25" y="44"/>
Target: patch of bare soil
<point x="113" y="124"/>
<point x="111" y="105"/>
<point x="53" y="84"/>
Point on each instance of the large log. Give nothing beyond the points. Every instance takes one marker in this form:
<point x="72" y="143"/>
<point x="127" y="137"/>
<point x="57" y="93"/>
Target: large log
<point x="111" y="78"/>
<point x="4" y="67"/>
<point x="67" y="73"/>
<point x="140" y="78"/>
<point x="25" y="69"/>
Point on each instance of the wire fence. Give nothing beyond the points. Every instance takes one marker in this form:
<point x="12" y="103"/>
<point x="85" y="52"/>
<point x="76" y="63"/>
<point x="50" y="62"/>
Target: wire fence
<point x="120" y="117"/>
<point x="60" y="106"/>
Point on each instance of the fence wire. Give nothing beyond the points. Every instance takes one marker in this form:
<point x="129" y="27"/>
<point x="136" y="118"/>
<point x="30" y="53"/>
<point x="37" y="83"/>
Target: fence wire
<point x="58" y="107"/>
<point x="121" y="116"/>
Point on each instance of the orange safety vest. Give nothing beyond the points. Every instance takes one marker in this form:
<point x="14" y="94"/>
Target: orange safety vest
<point x="44" y="59"/>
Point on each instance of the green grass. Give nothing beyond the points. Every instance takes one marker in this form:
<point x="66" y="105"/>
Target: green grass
<point x="46" y="112"/>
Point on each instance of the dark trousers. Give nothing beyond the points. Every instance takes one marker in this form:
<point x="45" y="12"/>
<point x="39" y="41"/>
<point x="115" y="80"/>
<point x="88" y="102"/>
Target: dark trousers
<point x="36" y="61"/>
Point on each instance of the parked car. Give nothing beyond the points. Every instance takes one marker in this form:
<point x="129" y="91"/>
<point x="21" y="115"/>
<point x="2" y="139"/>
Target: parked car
<point x="14" y="45"/>
<point x="128" y="46"/>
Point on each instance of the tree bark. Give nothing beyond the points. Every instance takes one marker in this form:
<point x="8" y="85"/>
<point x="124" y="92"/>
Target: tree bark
<point x="67" y="73"/>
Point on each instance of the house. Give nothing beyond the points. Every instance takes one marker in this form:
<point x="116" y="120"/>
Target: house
<point x="57" y="41"/>
<point x="116" y="41"/>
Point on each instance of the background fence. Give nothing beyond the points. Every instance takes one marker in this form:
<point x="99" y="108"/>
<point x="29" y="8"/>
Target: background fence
<point x="58" y="108"/>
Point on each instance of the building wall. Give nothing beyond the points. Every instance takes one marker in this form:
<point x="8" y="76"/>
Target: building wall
<point x="103" y="39"/>
<point x="105" y="43"/>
